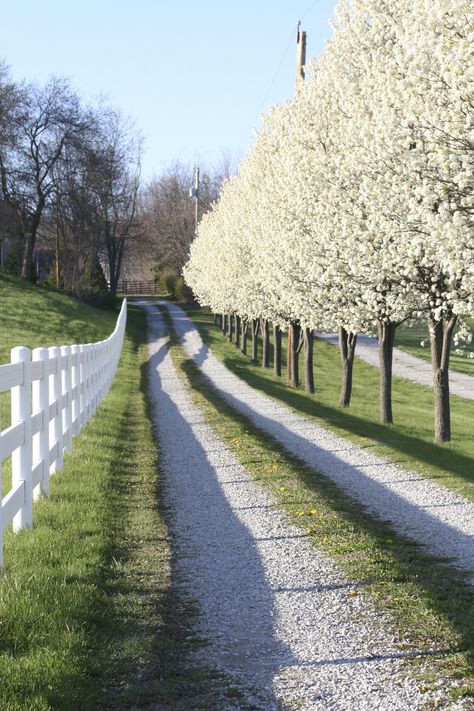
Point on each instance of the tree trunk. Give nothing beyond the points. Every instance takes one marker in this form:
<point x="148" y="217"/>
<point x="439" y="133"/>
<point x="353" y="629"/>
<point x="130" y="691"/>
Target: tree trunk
<point x="289" y="356"/>
<point x="265" y="329"/>
<point x="245" y="330"/>
<point x="27" y="266"/>
<point x="224" y="324"/>
<point x="254" y="340"/>
<point x="30" y="241"/>
<point x="295" y="352"/>
<point x="215" y="318"/>
<point x="237" y="330"/>
<point x="231" y="329"/>
<point x="276" y="350"/>
<point x="347" y="346"/>
<point x="308" y="360"/>
<point x="441" y="334"/>
<point x="386" y="333"/>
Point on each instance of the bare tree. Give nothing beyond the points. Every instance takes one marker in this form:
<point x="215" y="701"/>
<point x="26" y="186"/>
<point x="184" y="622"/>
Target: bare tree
<point x="43" y="121"/>
<point x="167" y="214"/>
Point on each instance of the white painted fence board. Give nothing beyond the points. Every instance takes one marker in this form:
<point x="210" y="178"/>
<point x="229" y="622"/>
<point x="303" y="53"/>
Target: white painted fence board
<point x="53" y="410"/>
<point x="37" y="423"/>
<point x="11" y="374"/>
<point x="11" y="503"/>
<point x="36" y="370"/>
<point x="37" y="473"/>
<point x="11" y="438"/>
<point x="63" y="387"/>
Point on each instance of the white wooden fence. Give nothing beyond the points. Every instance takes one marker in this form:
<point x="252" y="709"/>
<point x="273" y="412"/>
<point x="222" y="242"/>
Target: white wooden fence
<point x="54" y="391"/>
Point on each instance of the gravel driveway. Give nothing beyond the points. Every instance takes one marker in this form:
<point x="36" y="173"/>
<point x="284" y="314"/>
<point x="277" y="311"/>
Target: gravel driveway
<point x="279" y="617"/>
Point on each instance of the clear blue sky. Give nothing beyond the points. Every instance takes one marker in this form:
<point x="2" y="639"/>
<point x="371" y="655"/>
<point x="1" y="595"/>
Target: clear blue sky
<point x="193" y="76"/>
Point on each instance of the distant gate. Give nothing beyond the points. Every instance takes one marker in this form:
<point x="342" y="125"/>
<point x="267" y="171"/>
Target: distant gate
<point x="138" y="287"/>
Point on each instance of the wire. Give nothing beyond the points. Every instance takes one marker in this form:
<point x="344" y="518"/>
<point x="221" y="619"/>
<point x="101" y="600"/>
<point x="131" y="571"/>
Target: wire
<point x="283" y="59"/>
<point x="275" y="77"/>
<point x="309" y="9"/>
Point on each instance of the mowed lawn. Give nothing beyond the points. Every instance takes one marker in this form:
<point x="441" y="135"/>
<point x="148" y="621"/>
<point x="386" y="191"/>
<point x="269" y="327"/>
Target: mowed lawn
<point x="409" y="441"/>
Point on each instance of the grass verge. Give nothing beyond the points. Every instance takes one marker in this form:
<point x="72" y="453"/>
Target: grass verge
<point x="408" y="442"/>
<point x="431" y="604"/>
<point x="81" y="595"/>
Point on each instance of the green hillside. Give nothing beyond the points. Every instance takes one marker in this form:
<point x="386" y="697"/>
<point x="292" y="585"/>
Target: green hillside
<point x="37" y="316"/>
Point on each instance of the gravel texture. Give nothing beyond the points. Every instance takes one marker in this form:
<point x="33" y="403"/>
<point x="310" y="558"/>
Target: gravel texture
<point x="418" y="508"/>
<point x="281" y="622"/>
<point x="407" y="366"/>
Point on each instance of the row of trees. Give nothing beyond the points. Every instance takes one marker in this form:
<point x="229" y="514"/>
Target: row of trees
<point x="354" y="209"/>
<point x="69" y="182"/>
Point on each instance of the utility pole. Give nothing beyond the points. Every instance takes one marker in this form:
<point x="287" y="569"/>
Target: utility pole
<point x="300" y="56"/>
<point x="300" y="76"/>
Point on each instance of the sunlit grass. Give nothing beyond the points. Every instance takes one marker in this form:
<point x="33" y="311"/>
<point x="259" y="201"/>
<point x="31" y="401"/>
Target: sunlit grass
<point x="409" y="441"/>
<point x="81" y="593"/>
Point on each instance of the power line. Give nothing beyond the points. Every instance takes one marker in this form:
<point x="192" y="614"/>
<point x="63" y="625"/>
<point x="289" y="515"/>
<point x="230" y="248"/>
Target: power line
<point x="283" y="59"/>
<point x="309" y="9"/>
<point x="272" y="83"/>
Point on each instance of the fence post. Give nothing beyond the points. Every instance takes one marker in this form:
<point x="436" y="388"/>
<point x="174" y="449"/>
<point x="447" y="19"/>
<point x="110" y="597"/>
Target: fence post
<point x="21" y="457"/>
<point x="75" y="384"/>
<point x="82" y="385"/>
<point x="40" y="399"/>
<point x="66" y="388"/>
<point x="1" y="488"/>
<point x="57" y="421"/>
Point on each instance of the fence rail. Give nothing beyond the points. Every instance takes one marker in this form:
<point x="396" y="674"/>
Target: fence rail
<point x="54" y="391"/>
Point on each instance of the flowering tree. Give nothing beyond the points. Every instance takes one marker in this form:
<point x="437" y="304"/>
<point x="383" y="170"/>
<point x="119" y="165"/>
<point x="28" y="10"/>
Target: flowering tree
<point x="354" y="209"/>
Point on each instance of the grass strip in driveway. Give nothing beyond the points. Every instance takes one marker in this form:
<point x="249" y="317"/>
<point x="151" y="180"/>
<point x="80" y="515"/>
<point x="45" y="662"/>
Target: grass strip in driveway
<point x="430" y="602"/>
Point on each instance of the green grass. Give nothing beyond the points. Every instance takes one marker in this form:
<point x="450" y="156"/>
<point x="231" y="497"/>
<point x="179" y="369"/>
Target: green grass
<point x="430" y="603"/>
<point x="92" y="614"/>
<point x="81" y="593"/>
<point x="409" y="441"/>
<point x="409" y="339"/>
<point x="37" y="316"/>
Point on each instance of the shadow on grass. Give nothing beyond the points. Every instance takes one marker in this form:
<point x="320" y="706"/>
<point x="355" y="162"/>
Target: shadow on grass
<point x="442" y="457"/>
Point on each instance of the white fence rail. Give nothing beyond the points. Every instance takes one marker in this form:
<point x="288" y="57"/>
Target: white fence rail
<point x="54" y="391"/>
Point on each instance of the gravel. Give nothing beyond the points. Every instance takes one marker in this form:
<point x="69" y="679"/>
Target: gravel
<point x="418" y="508"/>
<point x="281" y="622"/>
<point x="407" y="366"/>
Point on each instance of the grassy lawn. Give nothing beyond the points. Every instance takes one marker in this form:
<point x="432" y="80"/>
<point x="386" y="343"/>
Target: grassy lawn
<point x="409" y="339"/>
<point x="92" y="612"/>
<point x="36" y="316"/>
<point x="430" y="603"/>
<point x="409" y="441"/>
<point x="83" y="594"/>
